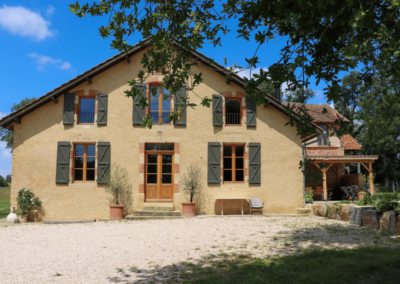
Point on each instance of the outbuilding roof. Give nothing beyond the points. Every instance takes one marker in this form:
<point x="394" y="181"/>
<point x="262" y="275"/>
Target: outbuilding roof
<point x="349" y="143"/>
<point x="320" y="112"/>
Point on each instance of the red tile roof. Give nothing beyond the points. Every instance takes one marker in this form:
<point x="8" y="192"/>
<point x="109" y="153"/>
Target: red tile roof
<point x="320" y="112"/>
<point x="349" y="143"/>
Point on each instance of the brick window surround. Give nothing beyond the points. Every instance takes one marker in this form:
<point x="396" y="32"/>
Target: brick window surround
<point x="235" y="94"/>
<point x="72" y="162"/>
<point x="81" y="94"/>
<point x="246" y="160"/>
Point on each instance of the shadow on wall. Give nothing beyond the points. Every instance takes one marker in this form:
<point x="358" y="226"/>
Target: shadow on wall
<point x="39" y="216"/>
<point x="234" y="207"/>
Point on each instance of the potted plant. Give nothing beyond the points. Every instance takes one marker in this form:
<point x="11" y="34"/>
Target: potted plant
<point x="191" y="183"/>
<point x="120" y="189"/>
<point x="309" y="197"/>
<point x="26" y="202"/>
<point x="361" y="195"/>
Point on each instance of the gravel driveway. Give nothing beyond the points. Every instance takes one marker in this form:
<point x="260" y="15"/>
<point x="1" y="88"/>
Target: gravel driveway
<point x="128" y="252"/>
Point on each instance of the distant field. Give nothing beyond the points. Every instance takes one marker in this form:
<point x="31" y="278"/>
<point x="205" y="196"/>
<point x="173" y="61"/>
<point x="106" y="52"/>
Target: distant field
<point x="4" y="201"/>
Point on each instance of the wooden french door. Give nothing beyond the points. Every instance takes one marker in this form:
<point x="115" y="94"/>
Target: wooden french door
<point x="159" y="178"/>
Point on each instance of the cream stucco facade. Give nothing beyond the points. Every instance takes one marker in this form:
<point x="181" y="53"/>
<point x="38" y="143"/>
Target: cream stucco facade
<point x="36" y="138"/>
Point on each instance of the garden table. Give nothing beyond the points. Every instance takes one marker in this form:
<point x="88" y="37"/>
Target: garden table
<point x="230" y="198"/>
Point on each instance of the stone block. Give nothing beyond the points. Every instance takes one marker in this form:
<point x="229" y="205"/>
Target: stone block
<point x="388" y="222"/>
<point x="319" y="210"/>
<point x="304" y="211"/>
<point x="370" y="218"/>
<point x="356" y="214"/>
<point x="344" y="212"/>
<point x="333" y="212"/>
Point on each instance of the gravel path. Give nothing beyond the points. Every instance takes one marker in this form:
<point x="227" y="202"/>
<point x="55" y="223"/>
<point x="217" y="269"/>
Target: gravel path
<point x="106" y="252"/>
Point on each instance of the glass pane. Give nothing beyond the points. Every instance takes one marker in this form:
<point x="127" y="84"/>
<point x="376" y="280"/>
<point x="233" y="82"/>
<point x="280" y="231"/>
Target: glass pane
<point x="170" y="146"/>
<point x="152" y="159"/>
<point x="152" y="169"/>
<point x="165" y="117"/>
<point x="79" y="163"/>
<point x="239" y="163"/>
<point x="166" y="178"/>
<point x="154" y="105"/>
<point x="166" y="159"/>
<point x="166" y="105"/>
<point x="156" y="146"/>
<point x="154" y="92"/>
<point x="79" y="150"/>
<point x="228" y="175"/>
<point x="232" y="106"/>
<point x="239" y="151"/>
<point x="227" y="163"/>
<point x="91" y="150"/>
<point x="90" y="175"/>
<point x="239" y="175"/>
<point x="86" y="114"/>
<point x="163" y="147"/>
<point x="78" y="174"/>
<point x="154" y="116"/>
<point x="227" y="151"/>
<point x="165" y="93"/>
<point x="151" y="178"/>
<point x="149" y="147"/>
<point x="90" y="163"/>
<point x="167" y="169"/>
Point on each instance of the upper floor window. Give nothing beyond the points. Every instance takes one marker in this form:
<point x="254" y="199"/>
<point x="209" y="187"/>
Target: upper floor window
<point x="160" y="104"/>
<point x="233" y="163"/>
<point x="323" y="140"/>
<point x="84" y="162"/>
<point x="86" y="110"/>
<point x="232" y="111"/>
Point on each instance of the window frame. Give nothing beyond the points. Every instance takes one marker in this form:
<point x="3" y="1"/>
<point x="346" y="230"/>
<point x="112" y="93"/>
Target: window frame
<point x="79" y="110"/>
<point x="322" y="138"/>
<point x="233" y="157"/>
<point x="171" y="100"/>
<point x="240" y="111"/>
<point x="84" y="169"/>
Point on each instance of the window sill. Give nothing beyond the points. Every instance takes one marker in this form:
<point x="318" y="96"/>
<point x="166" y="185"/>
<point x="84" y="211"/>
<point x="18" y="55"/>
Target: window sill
<point x="80" y="182"/>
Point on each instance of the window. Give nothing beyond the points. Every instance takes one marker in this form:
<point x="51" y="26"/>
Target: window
<point x="84" y="164"/>
<point x="233" y="163"/>
<point x="86" y="110"/>
<point x="232" y="111"/>
<point x="160" y="105"/>
<point x="159" y="147"/>
<point x="323" y="139"/>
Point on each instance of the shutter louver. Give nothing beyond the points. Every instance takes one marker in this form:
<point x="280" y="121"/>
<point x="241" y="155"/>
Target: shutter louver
<point x="138" y="112"/>
<point x="103" y="162"/>
<point x="251" y="115"/>
<point x="102" y="109"/>
<point x="254" y="163"/>
<point x="214" y="163"/>
<point x="177" y="100"/>
<point x="69" y="109"/>
<point x="62" y="171"/>
<point x="217" y="110"/>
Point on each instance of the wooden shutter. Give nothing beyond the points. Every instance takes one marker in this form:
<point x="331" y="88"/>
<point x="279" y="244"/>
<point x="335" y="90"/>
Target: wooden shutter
<point x="103" y="162"/>
<point x="69" y="108"/>
<point x="251" y="116"/>
<point x="217" y="110"/>
<point x="214" y="163"/>
<point x="177" y="99"/>
<point x="62" y="171"/>
<point x="102" y="109"/>
<point x="254" y="163"/>
<point x="138" y="112"/>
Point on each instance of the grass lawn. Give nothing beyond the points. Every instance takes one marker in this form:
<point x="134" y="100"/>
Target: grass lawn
<point x="362" y="265"/>
<point x="4" y="201"/>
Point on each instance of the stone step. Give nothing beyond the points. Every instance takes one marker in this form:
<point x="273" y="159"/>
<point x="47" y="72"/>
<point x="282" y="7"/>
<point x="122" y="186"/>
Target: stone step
<point x="132" y="217"/>
<point x="305" y="211"/>
<point x="158" y="207"/>
<point x="157" y="213"/>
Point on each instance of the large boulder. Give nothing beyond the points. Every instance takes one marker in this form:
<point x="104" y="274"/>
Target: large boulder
<point x="319" y="210"/>
<point x="356" y="214"/>
<point x="370" y="218"/>
<point x="344" y="211"/>
<point x="333" y="212"/>
<point x="388" y="222"/>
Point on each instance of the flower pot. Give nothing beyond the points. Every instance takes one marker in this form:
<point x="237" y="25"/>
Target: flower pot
<point x="116" y="212"/>
<point x="189" y="209"/>
<point x="23" y="219"/>
<point x="361" y="196"/>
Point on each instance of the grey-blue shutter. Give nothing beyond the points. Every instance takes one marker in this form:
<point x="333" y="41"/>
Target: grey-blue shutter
<point x="177" y="100"/>
<point x="214" y="163"/>
<point x="138" y="112"/>
<point x="254" y="163"/>
<point x="102" y="109"/>
<point x="217" y="110"/>
<point x="251" y="115"/>
<point x="62" y="170"/>
<point x="69" y="109"/>
<point x="103" y="162"/>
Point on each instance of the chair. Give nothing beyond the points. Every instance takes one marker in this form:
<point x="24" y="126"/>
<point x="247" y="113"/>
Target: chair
<point x="256" y="204"/>
<point x="318" y="193"/>
<point x="346" y="193"/>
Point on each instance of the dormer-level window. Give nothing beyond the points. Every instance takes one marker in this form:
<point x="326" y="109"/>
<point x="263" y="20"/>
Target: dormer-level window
<point x="160" y="104"/>
<point x="323" y="140"/>
<point x="86" y="110"/>
<point x="232" y="111"/>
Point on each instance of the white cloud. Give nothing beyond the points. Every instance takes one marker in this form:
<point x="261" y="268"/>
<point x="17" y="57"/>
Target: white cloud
<point x="246" y="73"/>
<point x="50" y="11"/>
<point x="24" y="22"/>
<point x="5" y="159"/>
<point x="2" y="114"/>
<point x="42" y="61"/>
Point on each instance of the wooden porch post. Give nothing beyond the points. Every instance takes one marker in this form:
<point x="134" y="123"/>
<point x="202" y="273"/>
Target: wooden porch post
<point x="324" y="185"/>
<point x="371" y="182"/>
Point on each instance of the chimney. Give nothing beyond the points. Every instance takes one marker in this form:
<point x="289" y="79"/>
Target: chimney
<point x="278" y="91"/>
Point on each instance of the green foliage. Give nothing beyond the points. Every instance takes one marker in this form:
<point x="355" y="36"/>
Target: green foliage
<point x="118" y="185"/>
<point x="368" y="200"/>
<point x="310" y="172"/>
<point x="3" y="182"/>
<point x="8" y="178"/>
<point x="16" y="221"/>
<point x="192" y="181"/>
<point x="27" y="202"/>
<point x="310" y="196"/>
<point x="299" y="96"/>
<point x="389" y="202"/>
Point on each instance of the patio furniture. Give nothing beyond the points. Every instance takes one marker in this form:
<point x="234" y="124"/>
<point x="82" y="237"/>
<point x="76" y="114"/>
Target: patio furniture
<point x="308" y="188"/>
<point x="345" y="192"/>
<point x="256" y="204"/>
<point x="318" y="193"/>
<point x="230" y="198"/>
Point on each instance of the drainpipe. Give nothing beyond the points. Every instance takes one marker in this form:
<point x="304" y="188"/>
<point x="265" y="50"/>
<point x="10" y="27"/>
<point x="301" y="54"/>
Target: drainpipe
<point x="278" y="91"/>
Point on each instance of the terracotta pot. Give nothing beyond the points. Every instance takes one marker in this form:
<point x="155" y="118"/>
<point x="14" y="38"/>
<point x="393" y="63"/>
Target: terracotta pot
<point x="189" y="209"/>
<point x="361" y="196"/>
<point x="23" y="219"/>
<point x="116" y="212"/>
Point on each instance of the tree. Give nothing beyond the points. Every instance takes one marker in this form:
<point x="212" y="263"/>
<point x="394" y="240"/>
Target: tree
<point x="3" y="182"/>
<point x="298" y="96"/>
<point x="8" y="178"/>
<point x="7" y="135"/>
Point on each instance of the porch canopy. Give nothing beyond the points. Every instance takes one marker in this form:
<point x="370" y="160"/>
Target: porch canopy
<point x="365" y="160"/>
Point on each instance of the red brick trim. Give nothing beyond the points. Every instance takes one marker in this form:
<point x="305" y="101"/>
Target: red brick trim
<point x="71" y="154"/>
<point x="176" y="148"/>
<point x="142" y="148"/>
<point x="176" y="188"/>
<point x="141" y="188"/>
<point x="176" y="168"/>
<point x="141" y="168"/>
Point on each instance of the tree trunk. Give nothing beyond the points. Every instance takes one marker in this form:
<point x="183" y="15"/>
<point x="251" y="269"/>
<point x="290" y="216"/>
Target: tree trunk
<point x="116" y="197"/>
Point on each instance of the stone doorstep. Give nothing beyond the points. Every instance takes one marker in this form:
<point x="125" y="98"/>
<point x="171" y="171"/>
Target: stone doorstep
<point x="153" y="208"/>
<point x="157" y="213"/>
<point x="132" y="217"/>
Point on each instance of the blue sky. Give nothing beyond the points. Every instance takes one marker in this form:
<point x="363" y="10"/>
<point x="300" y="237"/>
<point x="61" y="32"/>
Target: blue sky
<point x="44" y="45"/>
